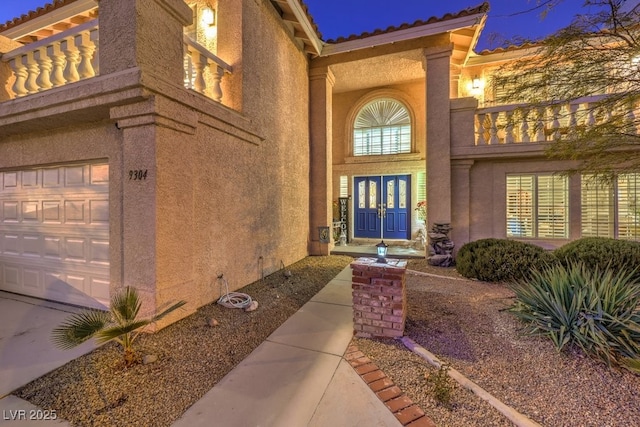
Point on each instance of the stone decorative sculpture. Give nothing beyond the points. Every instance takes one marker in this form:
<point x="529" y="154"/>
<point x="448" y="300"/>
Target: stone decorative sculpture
<point x="440" y="246"/>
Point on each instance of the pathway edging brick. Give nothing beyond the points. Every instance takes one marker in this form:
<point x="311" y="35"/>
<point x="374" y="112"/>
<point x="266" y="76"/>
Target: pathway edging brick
<point x="408" y="413"/>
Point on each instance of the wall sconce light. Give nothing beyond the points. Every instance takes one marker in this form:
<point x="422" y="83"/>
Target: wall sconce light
<point x="475" y="83"/>
<point x="209" y="16"/>
<point x="382" y="252"/>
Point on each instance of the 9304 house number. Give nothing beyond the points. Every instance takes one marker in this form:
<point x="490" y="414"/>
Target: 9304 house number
<point x="138" y="175"/>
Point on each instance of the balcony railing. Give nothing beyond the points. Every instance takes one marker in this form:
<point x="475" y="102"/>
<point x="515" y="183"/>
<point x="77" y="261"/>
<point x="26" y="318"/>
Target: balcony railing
<point x="523" y="123"/>
<point x="197" y="60"/>
<point x="73" y="55"/>
<point x="65" y="58"/>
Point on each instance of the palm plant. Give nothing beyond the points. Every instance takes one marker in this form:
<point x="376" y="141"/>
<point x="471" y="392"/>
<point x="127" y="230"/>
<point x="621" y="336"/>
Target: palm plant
<point x="119" y="324"/>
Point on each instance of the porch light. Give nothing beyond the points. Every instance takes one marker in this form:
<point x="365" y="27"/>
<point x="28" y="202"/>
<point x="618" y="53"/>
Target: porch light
<point x="475" y="83"/>
<point x="382" y="252"/>
<point x="209" y="16"/>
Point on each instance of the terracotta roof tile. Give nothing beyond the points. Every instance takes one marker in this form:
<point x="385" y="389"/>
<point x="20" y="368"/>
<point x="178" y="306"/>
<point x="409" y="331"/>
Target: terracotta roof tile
<point x="509" y="48"/>
<point x="35" y="13"/>
<point x="310" y="18"/>
<point x="482" y="8"/>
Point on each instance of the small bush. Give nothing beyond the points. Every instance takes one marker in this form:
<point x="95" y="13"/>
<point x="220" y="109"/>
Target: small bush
<point x="600" y="252"/>
<point x="499" y="260"/>
<point x="597" y="310"/>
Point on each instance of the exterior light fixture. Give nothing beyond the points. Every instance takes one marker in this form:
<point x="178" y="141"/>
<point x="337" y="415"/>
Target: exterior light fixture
<point x="475" y="83"/>
<point x="209" y="16"/>
<point x="382" y="252"/>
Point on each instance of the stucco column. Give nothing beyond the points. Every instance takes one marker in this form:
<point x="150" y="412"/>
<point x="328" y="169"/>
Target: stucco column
<point x="146" y="34"/>
<point x="461" y="204"/>
<point x="157" y="220"/>
<point x="438" y="80"/>
<point x="321" y="82"/>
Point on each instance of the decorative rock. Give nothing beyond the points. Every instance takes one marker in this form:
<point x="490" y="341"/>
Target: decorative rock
<point x="149" y="358"/>
<point x="212" y="322"/>
<point x="440" y="246"/>
<point x="253" y="306"/>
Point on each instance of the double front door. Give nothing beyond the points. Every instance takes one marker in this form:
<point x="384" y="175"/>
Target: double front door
<point x="382" y="207"/>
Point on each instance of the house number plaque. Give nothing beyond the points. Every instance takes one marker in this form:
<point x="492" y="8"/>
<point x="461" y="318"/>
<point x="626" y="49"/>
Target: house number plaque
<point x="138" y="175"/>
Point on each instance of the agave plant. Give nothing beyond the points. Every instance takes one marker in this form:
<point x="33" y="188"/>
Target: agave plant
<point x="119" y="324"/>
<point x="597" y="310"/>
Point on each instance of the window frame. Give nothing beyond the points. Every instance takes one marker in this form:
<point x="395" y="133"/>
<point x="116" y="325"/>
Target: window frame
<point x="529" y="212"/>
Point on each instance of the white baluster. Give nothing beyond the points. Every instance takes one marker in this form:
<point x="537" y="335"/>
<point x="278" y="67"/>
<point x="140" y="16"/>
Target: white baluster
<point x="524" y="126"/>
<point x="508" y="129"/>
<point x="493" y="129"/>
<point x="480" y="140"/>
<point x="188" y="70"/>
<point x="73" y="59"/>
<point x="590" y="120"/>
<point x="45" y="65"/>
<point x="199" y="63"/>
<point x="32" y="68"/>
<point x="86" y="48"/>
<point x="216" y="90"/>
<point x="630" y="118"/>
<point x="94" y="37"/>
<point x="573" y="120"/>
<point x="21" y="73"/>
<point x="540" y="136"/>
<point x="58" y="60"/>
<point x="555" y="123"/>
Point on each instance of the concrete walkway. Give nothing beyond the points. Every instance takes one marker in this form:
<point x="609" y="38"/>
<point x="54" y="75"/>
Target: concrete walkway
<point x="297" y="377"/>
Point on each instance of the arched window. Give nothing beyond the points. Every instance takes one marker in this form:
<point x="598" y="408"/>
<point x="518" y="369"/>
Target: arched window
<point x="381" y="127"/>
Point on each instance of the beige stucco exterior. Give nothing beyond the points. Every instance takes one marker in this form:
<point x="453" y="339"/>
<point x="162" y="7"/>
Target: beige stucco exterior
<point x="241" y="186"/>
<point x="227" y="189"/>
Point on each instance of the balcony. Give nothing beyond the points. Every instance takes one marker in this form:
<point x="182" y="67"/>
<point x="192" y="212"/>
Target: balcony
<point x="74" y="55"/>
<point x="524" y="124"/>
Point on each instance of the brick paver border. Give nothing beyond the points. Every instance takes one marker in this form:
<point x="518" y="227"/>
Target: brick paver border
<point x="408" y="413"/>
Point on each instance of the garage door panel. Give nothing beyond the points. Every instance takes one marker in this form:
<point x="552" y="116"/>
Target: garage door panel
<point x="54" y="233"/>
<point x="10" y="211"/>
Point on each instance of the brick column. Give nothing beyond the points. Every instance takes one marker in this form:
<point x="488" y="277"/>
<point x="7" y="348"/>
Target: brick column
<point x="379" y="298"/>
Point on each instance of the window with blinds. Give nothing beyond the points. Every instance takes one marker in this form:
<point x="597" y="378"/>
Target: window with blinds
<point x="597" y="208"/>
<point x="610" y="209"/>
<point x="344" y="186"/>
<point x="628" y="207"/>
<point x="422" y="186"/>
<point x="382" y="127"/>
<point x="537" y="206"/>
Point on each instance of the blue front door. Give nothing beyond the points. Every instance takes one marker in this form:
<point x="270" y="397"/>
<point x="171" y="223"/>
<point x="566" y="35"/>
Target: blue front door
<point x="368" y="207"/>
<point x="397" y="217"/>
<point x="381" y="207"/>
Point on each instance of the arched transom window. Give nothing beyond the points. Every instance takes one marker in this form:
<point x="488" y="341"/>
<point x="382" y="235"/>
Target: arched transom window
<point x="381" y="127"/>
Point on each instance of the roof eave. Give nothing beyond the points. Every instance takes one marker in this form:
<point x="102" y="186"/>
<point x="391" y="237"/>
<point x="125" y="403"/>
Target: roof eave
<point x="402" y="35"/>
<point x="34" y="24"/>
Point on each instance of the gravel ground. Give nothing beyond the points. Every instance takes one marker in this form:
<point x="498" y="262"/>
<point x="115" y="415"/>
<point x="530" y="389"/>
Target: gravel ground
<point x="463" y="322"/>
<point x="96" y="390"/>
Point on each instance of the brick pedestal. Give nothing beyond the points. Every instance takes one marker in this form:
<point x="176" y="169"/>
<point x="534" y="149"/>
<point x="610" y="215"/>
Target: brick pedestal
<point x="379" y="297"/>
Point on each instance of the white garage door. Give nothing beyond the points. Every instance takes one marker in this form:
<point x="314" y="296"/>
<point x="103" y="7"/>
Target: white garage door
<point x="54" y="233"/>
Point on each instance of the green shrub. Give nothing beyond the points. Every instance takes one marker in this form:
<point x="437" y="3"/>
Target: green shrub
<point x="498" y="260"/>
<point x="601" y="252"/>
<point x="597" y="310"/>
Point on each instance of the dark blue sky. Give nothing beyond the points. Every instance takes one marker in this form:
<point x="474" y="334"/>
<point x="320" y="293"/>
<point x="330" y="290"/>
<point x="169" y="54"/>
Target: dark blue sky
<point x="344" y="17"/>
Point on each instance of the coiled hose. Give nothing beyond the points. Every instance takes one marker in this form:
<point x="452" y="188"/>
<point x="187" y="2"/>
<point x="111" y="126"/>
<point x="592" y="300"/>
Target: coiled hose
<point x="232" y="299"/>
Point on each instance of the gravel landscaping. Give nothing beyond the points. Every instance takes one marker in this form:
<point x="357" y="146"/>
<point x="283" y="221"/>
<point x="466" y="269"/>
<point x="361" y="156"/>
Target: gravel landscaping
<point x="463" y="322"/>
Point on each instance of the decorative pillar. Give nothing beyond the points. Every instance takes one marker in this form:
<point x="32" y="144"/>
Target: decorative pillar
<point x="320" y="188"/>
<point x="379" y="297"/>
<point x="437" y="66"/>
<point x="461" y="203"/>
<point x="132" y="28"/>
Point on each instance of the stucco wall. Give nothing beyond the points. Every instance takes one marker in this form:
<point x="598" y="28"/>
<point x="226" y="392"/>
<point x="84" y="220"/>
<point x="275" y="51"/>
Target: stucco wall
<point x="227" y="191"/>
<point x="246" y="203"/>
<point x="488" y="198"/>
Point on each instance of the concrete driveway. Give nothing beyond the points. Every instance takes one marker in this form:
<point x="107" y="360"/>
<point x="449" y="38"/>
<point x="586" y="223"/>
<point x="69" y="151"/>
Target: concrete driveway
<point x="26" y="351"/>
